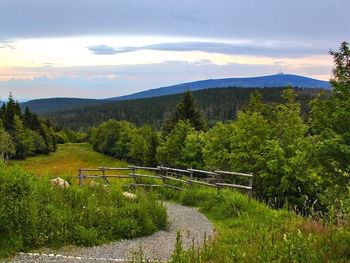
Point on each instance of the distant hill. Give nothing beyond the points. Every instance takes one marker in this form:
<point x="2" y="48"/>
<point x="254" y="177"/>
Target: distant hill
<point x="219" y="104"/>
<point x="44" y="106"/>
<point x="273" y="81"/>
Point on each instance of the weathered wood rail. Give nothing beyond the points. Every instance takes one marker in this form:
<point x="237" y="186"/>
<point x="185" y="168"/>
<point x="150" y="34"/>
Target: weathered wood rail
<point x="217" y="179"/>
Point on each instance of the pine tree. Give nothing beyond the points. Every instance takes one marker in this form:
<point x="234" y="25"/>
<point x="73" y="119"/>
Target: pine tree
<point x="28" y="118"/>
<point x="9" y="115"/>
<point x="186" y="110"/>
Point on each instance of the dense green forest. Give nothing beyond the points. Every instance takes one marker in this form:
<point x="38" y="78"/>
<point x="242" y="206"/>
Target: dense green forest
<point x="218" y="104"/>
<point x="299" y="160"/>
<point x="23" y="133"/>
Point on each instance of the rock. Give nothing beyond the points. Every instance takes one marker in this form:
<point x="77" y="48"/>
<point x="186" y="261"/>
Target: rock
<point x="129" y="195"/>
<point x="59" y="182"/>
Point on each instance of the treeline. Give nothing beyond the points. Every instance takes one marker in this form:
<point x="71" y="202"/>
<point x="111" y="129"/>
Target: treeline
<point x="23" y="133"/>
<point x="220" y="104"/>
<point x="296" y="159"/>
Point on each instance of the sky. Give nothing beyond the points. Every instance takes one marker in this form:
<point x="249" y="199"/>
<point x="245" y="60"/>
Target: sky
<point x="108" y="48"/>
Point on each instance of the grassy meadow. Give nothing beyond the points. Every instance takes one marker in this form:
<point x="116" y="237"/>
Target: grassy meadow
<point x="67" y="160"/>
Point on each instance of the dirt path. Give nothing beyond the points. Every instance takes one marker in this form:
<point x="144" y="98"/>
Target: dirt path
<point x="159" y="246"/>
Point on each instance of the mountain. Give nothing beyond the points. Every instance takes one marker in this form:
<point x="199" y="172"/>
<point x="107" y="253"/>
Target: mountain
<point x="45" y="106"/>
<point x="219" y="104"/>
<point x="279" y="80"/>
<point x="42" y="106"/>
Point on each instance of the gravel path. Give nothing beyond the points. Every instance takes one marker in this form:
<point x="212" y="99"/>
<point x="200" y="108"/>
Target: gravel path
<point x="159" y="246"/>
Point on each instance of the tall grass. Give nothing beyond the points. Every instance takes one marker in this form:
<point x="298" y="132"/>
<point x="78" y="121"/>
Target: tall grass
<point x="34" y="214"/>
<point x="249" y="231"/>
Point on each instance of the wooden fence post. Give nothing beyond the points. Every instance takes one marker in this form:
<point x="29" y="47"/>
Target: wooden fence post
<point x="80" y="177"/>
<point x="134" y="174"/>
<point x="103" y="170"/>
<point x="251" y="185"/>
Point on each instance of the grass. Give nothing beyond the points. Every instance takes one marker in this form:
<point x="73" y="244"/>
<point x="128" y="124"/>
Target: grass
<point x="33" y="213"/>
<point x="249" y="231"/>
<point x="67" y="160"/>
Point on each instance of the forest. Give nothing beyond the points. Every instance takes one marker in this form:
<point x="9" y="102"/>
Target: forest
<point x="219" y="104"/>
<point x="23" y="133"/>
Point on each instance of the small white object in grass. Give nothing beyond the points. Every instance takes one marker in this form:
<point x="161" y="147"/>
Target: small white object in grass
<point x="59" y="182"/>
<point x="129" y="195"/>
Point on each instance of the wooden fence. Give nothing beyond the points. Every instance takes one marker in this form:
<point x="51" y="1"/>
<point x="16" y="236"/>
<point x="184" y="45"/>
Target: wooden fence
<point x="217" y="179"/>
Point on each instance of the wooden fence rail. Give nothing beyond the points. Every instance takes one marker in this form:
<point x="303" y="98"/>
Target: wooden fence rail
<point x="215" y="179"/>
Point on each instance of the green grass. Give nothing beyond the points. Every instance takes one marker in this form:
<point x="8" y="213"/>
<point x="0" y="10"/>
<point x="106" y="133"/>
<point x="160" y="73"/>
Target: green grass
<point x="34" y="214"/>
<point x="249" y="231"/>
<point x="67" y="160"/>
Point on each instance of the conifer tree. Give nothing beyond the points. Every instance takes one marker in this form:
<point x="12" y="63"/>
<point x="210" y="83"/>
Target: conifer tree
<point x="186" y="110"/>
<point x="9" y="115"/>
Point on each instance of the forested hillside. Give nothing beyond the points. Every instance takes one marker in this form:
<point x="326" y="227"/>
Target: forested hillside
<point x="272" y="81"/>
<point x="42" y="106"/>
<point x="219" y="104"/>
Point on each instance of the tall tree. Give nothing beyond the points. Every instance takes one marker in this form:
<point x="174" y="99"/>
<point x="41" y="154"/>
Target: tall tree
<point x="186" y="110"/>
<point x="330" y="124"/>
<point x="9" y="115"/>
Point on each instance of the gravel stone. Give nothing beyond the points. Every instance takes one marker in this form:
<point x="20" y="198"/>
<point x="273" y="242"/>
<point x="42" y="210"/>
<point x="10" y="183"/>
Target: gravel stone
<point x="159" y="246"/>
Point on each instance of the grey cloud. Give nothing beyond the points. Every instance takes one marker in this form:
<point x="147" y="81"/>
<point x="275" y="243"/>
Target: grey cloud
<point x="315" y="20"/>
<point x="276" y="50"/>
<point x="102" y="50"/>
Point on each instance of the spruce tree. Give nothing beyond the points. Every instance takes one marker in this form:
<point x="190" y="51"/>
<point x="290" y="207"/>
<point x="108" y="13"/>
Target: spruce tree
<point x="186" y="110"/>
<point x="9" y="115"/>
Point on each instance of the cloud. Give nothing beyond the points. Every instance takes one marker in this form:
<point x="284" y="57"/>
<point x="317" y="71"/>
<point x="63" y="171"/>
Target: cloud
<point x="102" y="50"/>
<point x="6" y="44"/>
<point x="314" y="20"/>
<point x="249" y="48"/>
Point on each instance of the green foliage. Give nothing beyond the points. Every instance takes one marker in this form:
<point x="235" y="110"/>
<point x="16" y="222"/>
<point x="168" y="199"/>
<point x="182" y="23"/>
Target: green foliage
<point x="23" y="140"/>
<point x="33" y="213"/>
<point x="124" y="141"/>
<point x="216" y="152"/>
<point x="331" y="127"/>
<point x="170" y="151"/>
<point x="143" y="146"/>
<point x="7" y="148"/>
<point x="112" y="138"/>
<point x="341" y="71"/>
<point x="28" y="133"/>
<point x="178" y="253"/>
<point x="186" y="110"/>
<point x="270" y="143"/>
